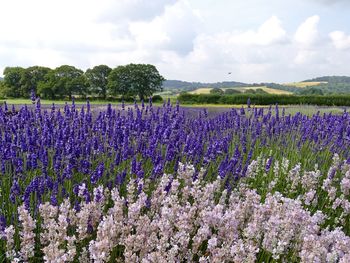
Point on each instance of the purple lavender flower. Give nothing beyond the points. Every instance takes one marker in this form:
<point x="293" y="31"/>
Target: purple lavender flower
<point x="148" y="203"/>
<point x="97" y="174"/>
<point x="14" y="191"/>
<point x="268" y="165"/>
<point x="53" y="200"/>
<point x="2" y="223"/>
<point x="77" y="206"/>
<point x="33" y="96"/>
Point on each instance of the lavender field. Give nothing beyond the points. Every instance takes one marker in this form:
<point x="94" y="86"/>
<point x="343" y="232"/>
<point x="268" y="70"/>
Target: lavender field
<point x="173" y="184"/>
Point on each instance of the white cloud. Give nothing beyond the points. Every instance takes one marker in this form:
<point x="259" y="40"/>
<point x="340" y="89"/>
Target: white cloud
<point x="248" y="54"/>
<point x="257" y="55"/>
<point x="307" y="32"/>
<point x="340" y="39"/>
<point x="183" y="42"/>
<point x="173" y="30"/>
<point x="49" y="33"/>
<point x="116" y="11"/>
<point x="270" y="32"/>
<point x="308" y="42"/>
<point x="331" y="2"/>
<point x="310" y="57"/>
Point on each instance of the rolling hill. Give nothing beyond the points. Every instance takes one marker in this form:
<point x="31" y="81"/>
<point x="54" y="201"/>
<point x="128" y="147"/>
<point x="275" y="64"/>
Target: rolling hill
<point x="331" y="79"/>
<point x="319" y="85"/>
<point x="243" y="90"/>
<point x="178" y="84"/>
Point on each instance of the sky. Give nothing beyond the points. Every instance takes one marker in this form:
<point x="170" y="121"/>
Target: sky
<point x="192" y="40"/>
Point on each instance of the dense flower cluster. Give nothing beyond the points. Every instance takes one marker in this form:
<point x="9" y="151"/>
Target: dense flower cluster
<point x="192" y="220"/>
<point x="79" y="184"/>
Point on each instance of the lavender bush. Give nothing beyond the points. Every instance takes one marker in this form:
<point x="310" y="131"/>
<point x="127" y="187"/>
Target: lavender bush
<point x="79" y="186"/>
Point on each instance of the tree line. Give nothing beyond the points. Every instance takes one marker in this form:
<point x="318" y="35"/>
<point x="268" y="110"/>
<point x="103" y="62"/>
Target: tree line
<point x="101" y="81"/>
<point x="218" y="91"/>
<point x="265" y="99"/>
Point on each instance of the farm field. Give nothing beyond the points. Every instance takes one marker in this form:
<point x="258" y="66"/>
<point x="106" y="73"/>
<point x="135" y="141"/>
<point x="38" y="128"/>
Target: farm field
<point x="157" y="183"/>
<point x="305" y="84"/>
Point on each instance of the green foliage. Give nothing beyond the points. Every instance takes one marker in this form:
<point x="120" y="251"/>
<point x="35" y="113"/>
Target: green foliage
<point x="333" y="85"/>
<point x="331" y="79"/>
<point x="190" y="86"/>
<point x="267" y="99"/>
<point x="63" y="81"/>
<point x="30" y="79"/>
<point x="232" y="91"/>
<point x="119" y="82"/>
<point x="3" y="90"/>
<point x="255" y="91"/>
<point x="97" y="78"/>
<point x="12" y="81"/>
<point x="135" y="79"/>
<point x="157" y="98"/>
<point x="311" y="91"/>
<point x="216" y="91"/>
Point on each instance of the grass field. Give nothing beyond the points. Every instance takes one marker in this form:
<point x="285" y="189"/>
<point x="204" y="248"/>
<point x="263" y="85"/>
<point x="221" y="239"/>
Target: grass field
<point x="201" y="91"/>
<point x="78" y="102"/>
<point x="305" y="84"/>
<point x="165" y="93"/>
<point x="268" y="90"/>
<point x="49" y="102"/>
<point x="243" y="89"/>
<point x="289" y="109"/>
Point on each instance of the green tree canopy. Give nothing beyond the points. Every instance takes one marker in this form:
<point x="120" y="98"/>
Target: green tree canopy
<point x="135" y="79"/>
<point x="255" y="91"/>
<point x="216" y="91"/>
<point x="12" y="81"/>
<point x="3" y="89"/>
<point x="63" y="81"/>
<point x="97" y="78"/>
<point x="31" y="77"/>
<point x="311" y="91"/>
<point x="232" y="91"/>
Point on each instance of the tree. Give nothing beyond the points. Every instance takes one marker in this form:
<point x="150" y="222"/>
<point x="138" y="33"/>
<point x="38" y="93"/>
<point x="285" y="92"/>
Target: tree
<point x="12" y="81"/>
<point x="63" y="81"/>
<point x="256" y="91"/>
<point x="48" y="89"/>
<point x="135" y="79"/>
<point x="31" y="77"/>
<point x="216" y="91"/>
<point x="97" y="78"/>
<point x="311" y="91"/>
<point x="232" y="91"/>
<point x="3" y="89"/>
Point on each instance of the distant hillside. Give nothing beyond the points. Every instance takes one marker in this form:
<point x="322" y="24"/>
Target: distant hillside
<point x="332" y="84"/>
<point x="331" y="79"/>
<point x="184" y="85"/>
<point x="316" y="86"/>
